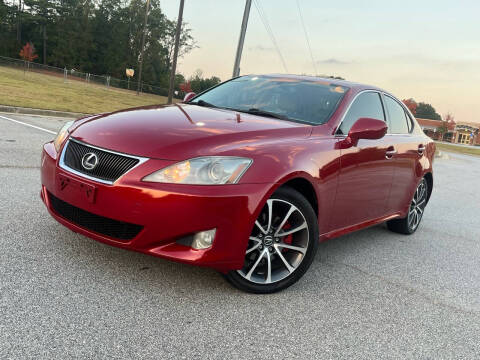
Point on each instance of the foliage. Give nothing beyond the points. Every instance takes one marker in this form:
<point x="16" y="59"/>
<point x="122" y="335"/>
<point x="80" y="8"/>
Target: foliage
<point x="411" y="105"/>
<point x="28" y="52"/>
<point x="8" y="29"/>
<point x="335" y="77"/>
<point x="448" y="125"/>
<point x="185" y="87"/>
<point x="427" y="111"/>
<point x="198" y="83"/>
<point x="422" y="110"/>
<point x="325" y="76"/>
<point x="99" y="37"/>
<point x="443" y="129"/>
<point x="449" y="121"/>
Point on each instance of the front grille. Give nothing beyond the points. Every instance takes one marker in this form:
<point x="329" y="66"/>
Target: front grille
<point x="99" y="224"/>
<point x="110" y="165"/>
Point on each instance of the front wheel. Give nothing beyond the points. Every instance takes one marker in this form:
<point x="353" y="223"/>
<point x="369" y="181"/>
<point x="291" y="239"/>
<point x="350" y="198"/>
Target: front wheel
<point x="282" y="244"/>
<point x="410" y="223"/>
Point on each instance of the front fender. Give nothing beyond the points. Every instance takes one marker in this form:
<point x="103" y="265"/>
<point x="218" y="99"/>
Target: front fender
<point x="314" y="160"/>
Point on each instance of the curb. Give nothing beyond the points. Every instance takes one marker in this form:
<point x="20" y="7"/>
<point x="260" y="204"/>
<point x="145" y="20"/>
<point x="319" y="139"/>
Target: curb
<point x="30" y="111"/>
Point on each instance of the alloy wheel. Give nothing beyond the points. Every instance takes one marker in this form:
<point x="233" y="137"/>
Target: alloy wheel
<point x="277" y="245"/>
<point x="417" y="205"/>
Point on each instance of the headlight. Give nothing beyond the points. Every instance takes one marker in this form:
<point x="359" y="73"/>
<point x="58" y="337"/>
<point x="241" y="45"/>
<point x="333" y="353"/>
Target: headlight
<point x="62" y="135"/>
<point x="208" y="170"/>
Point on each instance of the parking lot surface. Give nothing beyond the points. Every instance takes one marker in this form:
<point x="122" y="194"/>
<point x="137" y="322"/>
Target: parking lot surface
<point x="368" y="295"/>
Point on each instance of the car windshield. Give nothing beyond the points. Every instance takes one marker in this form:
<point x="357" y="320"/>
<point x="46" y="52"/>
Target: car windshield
<point x="300" y="100"/>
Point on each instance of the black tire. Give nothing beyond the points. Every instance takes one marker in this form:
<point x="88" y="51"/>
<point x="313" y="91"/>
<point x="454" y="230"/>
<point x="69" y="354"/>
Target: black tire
<point x="408" y="225"/>
<point x="278" y="252"/>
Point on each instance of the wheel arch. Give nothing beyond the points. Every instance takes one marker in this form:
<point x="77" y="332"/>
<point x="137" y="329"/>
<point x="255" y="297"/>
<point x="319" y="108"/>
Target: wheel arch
<point x="429" y="178"/>
<point x="298" y="181"/>
<point x="304" y="187"/>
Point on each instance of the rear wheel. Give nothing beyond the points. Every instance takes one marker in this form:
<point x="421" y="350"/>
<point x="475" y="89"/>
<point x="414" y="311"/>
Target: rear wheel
<point x="410" y="223"/>
<point x="282" y="244"/>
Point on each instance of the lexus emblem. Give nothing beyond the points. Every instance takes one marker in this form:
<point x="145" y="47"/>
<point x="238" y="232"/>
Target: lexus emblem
<point x="89" y="161"/>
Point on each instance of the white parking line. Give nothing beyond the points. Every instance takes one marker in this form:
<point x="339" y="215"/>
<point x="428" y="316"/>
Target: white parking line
<point x="33" y="126"/>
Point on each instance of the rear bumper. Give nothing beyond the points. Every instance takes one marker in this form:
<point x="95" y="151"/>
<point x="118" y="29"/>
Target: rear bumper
<point x="166" y="212"/>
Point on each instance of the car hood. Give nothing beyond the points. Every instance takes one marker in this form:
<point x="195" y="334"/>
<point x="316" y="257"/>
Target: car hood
<point x="182" y="131"/>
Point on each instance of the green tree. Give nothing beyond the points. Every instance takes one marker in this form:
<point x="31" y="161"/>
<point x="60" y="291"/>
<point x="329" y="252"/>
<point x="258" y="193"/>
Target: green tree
<point x="427" y="111"/>
<point x="9" y="14"/>
<point x="41" y="14"/>
<point x="199" y="83"/>
<point x="99" y="37"/>
<point x="71" y="42"/>
<point x="111" y="35"/>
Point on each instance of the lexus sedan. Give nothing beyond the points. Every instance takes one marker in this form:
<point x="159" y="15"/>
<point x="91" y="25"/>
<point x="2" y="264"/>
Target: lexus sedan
<point x="246" y="177"/>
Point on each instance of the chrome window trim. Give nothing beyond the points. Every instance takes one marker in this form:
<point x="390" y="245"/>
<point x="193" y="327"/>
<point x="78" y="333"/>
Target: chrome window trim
<point x="405" y="109"/>
<point x="65" y="167"/>
<point x="341" y="136"/>
<point x="350" y="105"/>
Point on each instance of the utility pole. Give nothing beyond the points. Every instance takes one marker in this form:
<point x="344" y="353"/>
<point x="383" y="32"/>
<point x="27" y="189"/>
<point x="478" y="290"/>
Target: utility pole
<point x="175" y="53"/>
<point x="143" y="48"/>
<point x="246" y="13"/>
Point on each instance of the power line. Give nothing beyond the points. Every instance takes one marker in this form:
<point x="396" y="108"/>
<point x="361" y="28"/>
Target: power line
<point x="306" y="37"/>
<point x="266" y="24"/>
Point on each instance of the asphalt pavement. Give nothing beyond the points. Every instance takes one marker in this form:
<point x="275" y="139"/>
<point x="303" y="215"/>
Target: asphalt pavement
<point x="368" y="295"/>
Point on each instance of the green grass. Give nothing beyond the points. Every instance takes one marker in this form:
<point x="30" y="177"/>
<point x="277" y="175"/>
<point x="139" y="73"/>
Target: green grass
<point x="41" y="91"/>
<point x="472" y="150"/>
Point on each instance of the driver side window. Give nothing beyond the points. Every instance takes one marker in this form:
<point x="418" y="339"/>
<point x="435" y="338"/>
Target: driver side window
<point x="367" y="104"/>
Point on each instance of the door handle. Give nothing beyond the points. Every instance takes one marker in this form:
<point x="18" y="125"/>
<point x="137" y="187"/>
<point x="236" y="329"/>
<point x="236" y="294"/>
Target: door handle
<point x="390" y="152"/>
<point x="421" y="149"/>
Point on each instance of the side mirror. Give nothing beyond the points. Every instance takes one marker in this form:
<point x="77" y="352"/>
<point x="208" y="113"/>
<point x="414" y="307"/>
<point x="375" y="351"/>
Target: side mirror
<point x="366" y="128"/>
<point x="189" y="96"/>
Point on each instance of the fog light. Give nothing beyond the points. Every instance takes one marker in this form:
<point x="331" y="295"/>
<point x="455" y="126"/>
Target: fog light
<point x="203" y="240"/>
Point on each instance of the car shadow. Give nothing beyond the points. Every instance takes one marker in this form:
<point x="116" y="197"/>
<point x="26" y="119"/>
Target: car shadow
<point x="154" y="274"/>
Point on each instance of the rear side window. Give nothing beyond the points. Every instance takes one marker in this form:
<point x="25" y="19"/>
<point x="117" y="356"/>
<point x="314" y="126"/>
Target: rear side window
<point x="365" y="105"/>
<point x="398" y="117"/>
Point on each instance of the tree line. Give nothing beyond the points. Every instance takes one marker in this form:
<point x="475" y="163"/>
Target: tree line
<point x="96" y="36"/>
<point x="422" y="110"/>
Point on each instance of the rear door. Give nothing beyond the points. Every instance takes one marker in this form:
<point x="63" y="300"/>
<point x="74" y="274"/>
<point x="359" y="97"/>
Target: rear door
<point x="366" y="169"/>
<point x="410" y="147"/>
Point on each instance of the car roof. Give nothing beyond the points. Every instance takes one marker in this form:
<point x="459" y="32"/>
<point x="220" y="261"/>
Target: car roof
<point x="350" y="84"/>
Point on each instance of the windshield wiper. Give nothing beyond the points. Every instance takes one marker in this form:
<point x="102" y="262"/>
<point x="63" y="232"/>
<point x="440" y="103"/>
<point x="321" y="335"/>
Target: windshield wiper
<point x="255" y="111"/>
<point x="203" y="103"/>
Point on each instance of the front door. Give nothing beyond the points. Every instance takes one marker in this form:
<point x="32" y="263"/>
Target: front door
<point x="366" y="172"/>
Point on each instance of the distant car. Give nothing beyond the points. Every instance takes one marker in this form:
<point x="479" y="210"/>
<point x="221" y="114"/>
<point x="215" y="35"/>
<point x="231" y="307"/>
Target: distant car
<point x="245" y="178"/>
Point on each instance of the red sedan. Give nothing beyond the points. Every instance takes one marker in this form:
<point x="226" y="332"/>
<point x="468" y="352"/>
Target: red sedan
<point x="246" y="177"/>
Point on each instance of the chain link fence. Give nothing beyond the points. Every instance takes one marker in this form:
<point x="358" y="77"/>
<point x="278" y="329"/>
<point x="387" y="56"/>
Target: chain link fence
<point x="75" y="75"/>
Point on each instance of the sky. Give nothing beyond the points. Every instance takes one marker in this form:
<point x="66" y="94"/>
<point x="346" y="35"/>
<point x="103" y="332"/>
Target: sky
<point x="428" y="50"/>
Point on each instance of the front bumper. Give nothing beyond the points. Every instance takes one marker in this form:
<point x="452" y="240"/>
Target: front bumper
<point x="166" y="212"/>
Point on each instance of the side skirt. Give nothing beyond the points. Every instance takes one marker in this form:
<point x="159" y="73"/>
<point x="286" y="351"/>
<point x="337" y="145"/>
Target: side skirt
<point x="349" y="229"/>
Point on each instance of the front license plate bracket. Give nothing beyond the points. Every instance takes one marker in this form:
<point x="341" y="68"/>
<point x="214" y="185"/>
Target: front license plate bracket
<point x="89" y="191"/>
